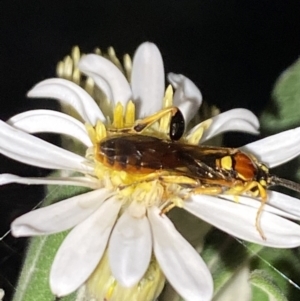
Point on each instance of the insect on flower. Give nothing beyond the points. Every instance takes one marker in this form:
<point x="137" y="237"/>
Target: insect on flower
<point x="138" y="170"/>
<point x="203" y="169"/>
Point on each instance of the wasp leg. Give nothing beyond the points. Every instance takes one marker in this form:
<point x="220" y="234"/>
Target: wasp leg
<point x="169" y="205"/>
<point x="248" y="187"/>
<point x="199" y="190"/>
<point x="263" y="195"/>
<point x="259" y="191"/>
<point x="180" y="180"/>
<point x="144" y="123"/>
<point x="146" y="178"/>
<point x="212" y="190"/>
<point x="172" y="202"/>
<point x="257" y="220"/>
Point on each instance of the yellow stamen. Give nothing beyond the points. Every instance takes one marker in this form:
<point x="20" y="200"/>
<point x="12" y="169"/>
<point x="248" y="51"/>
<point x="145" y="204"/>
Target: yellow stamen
<point x="195" y="137"/>
<point x="60" y="69"/>
<point x="164" y="123"/>
<point x="91" y="132"/>
<point x="118" y="116"/>
<point x="168" y="98"/>
<point x="98" y="51"/>
<point x="68" y="67"/>
<point x="130" y="114"/>
<point x="127" y="66"/>
<point x="112" y="57"/>
<point x="89" y="85"/>
<point x="75" y="54"/>
<point x="76" y="76"/>
<point x="100" y="131"/>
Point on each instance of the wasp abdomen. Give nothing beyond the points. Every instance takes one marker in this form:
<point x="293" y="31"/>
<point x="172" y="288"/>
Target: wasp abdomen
<point x="141" y="154"/>
<point x="131" y="152"/>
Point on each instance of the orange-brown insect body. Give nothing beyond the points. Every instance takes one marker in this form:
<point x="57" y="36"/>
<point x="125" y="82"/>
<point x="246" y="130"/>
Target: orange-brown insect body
<point x="210" y="165"/>
<point x="204" y="169"/>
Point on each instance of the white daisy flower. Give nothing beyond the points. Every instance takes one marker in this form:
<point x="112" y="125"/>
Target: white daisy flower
<point x="123" y="212"/>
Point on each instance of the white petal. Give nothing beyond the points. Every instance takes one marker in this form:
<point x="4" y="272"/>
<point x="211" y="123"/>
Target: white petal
<point x="130" y="249"/>
<point x="255" y="203"/>
<point x="187" y="97"/>
<point x="70" y="94"/>
<point x="82" y="249"/>
<point x="284" y="202"/>
<point x="47" y="121"/>
<point x="181" y="264"/>
<point x="277" y="149"/>
<point x="73" y="181"/>
<point x="238" y="120"/>
<point x="239" y="220"/>
<point x="147" y="79"/>
<point x="59" y="216"/>
<point x="31" y="150"/>
<point x="107" y="77"/>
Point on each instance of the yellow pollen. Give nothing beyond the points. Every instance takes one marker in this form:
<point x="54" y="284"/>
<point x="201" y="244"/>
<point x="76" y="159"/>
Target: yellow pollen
<point x="131" y="190"/>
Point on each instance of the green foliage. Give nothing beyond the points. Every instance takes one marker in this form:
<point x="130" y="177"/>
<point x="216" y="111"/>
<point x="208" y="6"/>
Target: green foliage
<point x="33" y="283"/>
<point x="284" y="110"/>
<point x="269" y="269"/>
<point x="266" y="288"/>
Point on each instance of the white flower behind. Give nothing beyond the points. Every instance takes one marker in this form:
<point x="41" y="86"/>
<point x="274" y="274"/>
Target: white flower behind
<point x="132" y="226"/>
<point x="1" y="294"/>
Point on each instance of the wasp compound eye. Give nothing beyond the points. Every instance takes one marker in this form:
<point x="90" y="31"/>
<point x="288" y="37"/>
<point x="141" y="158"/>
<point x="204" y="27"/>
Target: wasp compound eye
<point x="177" y="126"/>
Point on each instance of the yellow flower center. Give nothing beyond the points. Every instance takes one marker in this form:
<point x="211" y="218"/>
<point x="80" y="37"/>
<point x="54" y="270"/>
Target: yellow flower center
<point x="148" y="187"/>
<point x="103" y="286"/>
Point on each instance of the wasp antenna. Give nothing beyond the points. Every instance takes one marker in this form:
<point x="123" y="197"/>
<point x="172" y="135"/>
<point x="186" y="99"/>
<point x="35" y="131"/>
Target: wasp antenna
<point x="275" y="181"/>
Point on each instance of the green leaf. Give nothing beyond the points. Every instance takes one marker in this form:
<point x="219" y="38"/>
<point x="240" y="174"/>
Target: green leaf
<point x="265" y="285"/>
<point x="283" y="112"/>
<point x="282" y="266"/>
<point x="33" y="283"/>
<point x="225" y="257"/>
<point x="229" y="259"/>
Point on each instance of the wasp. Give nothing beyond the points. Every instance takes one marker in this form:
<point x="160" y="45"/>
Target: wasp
<point x="205" y="169"/>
